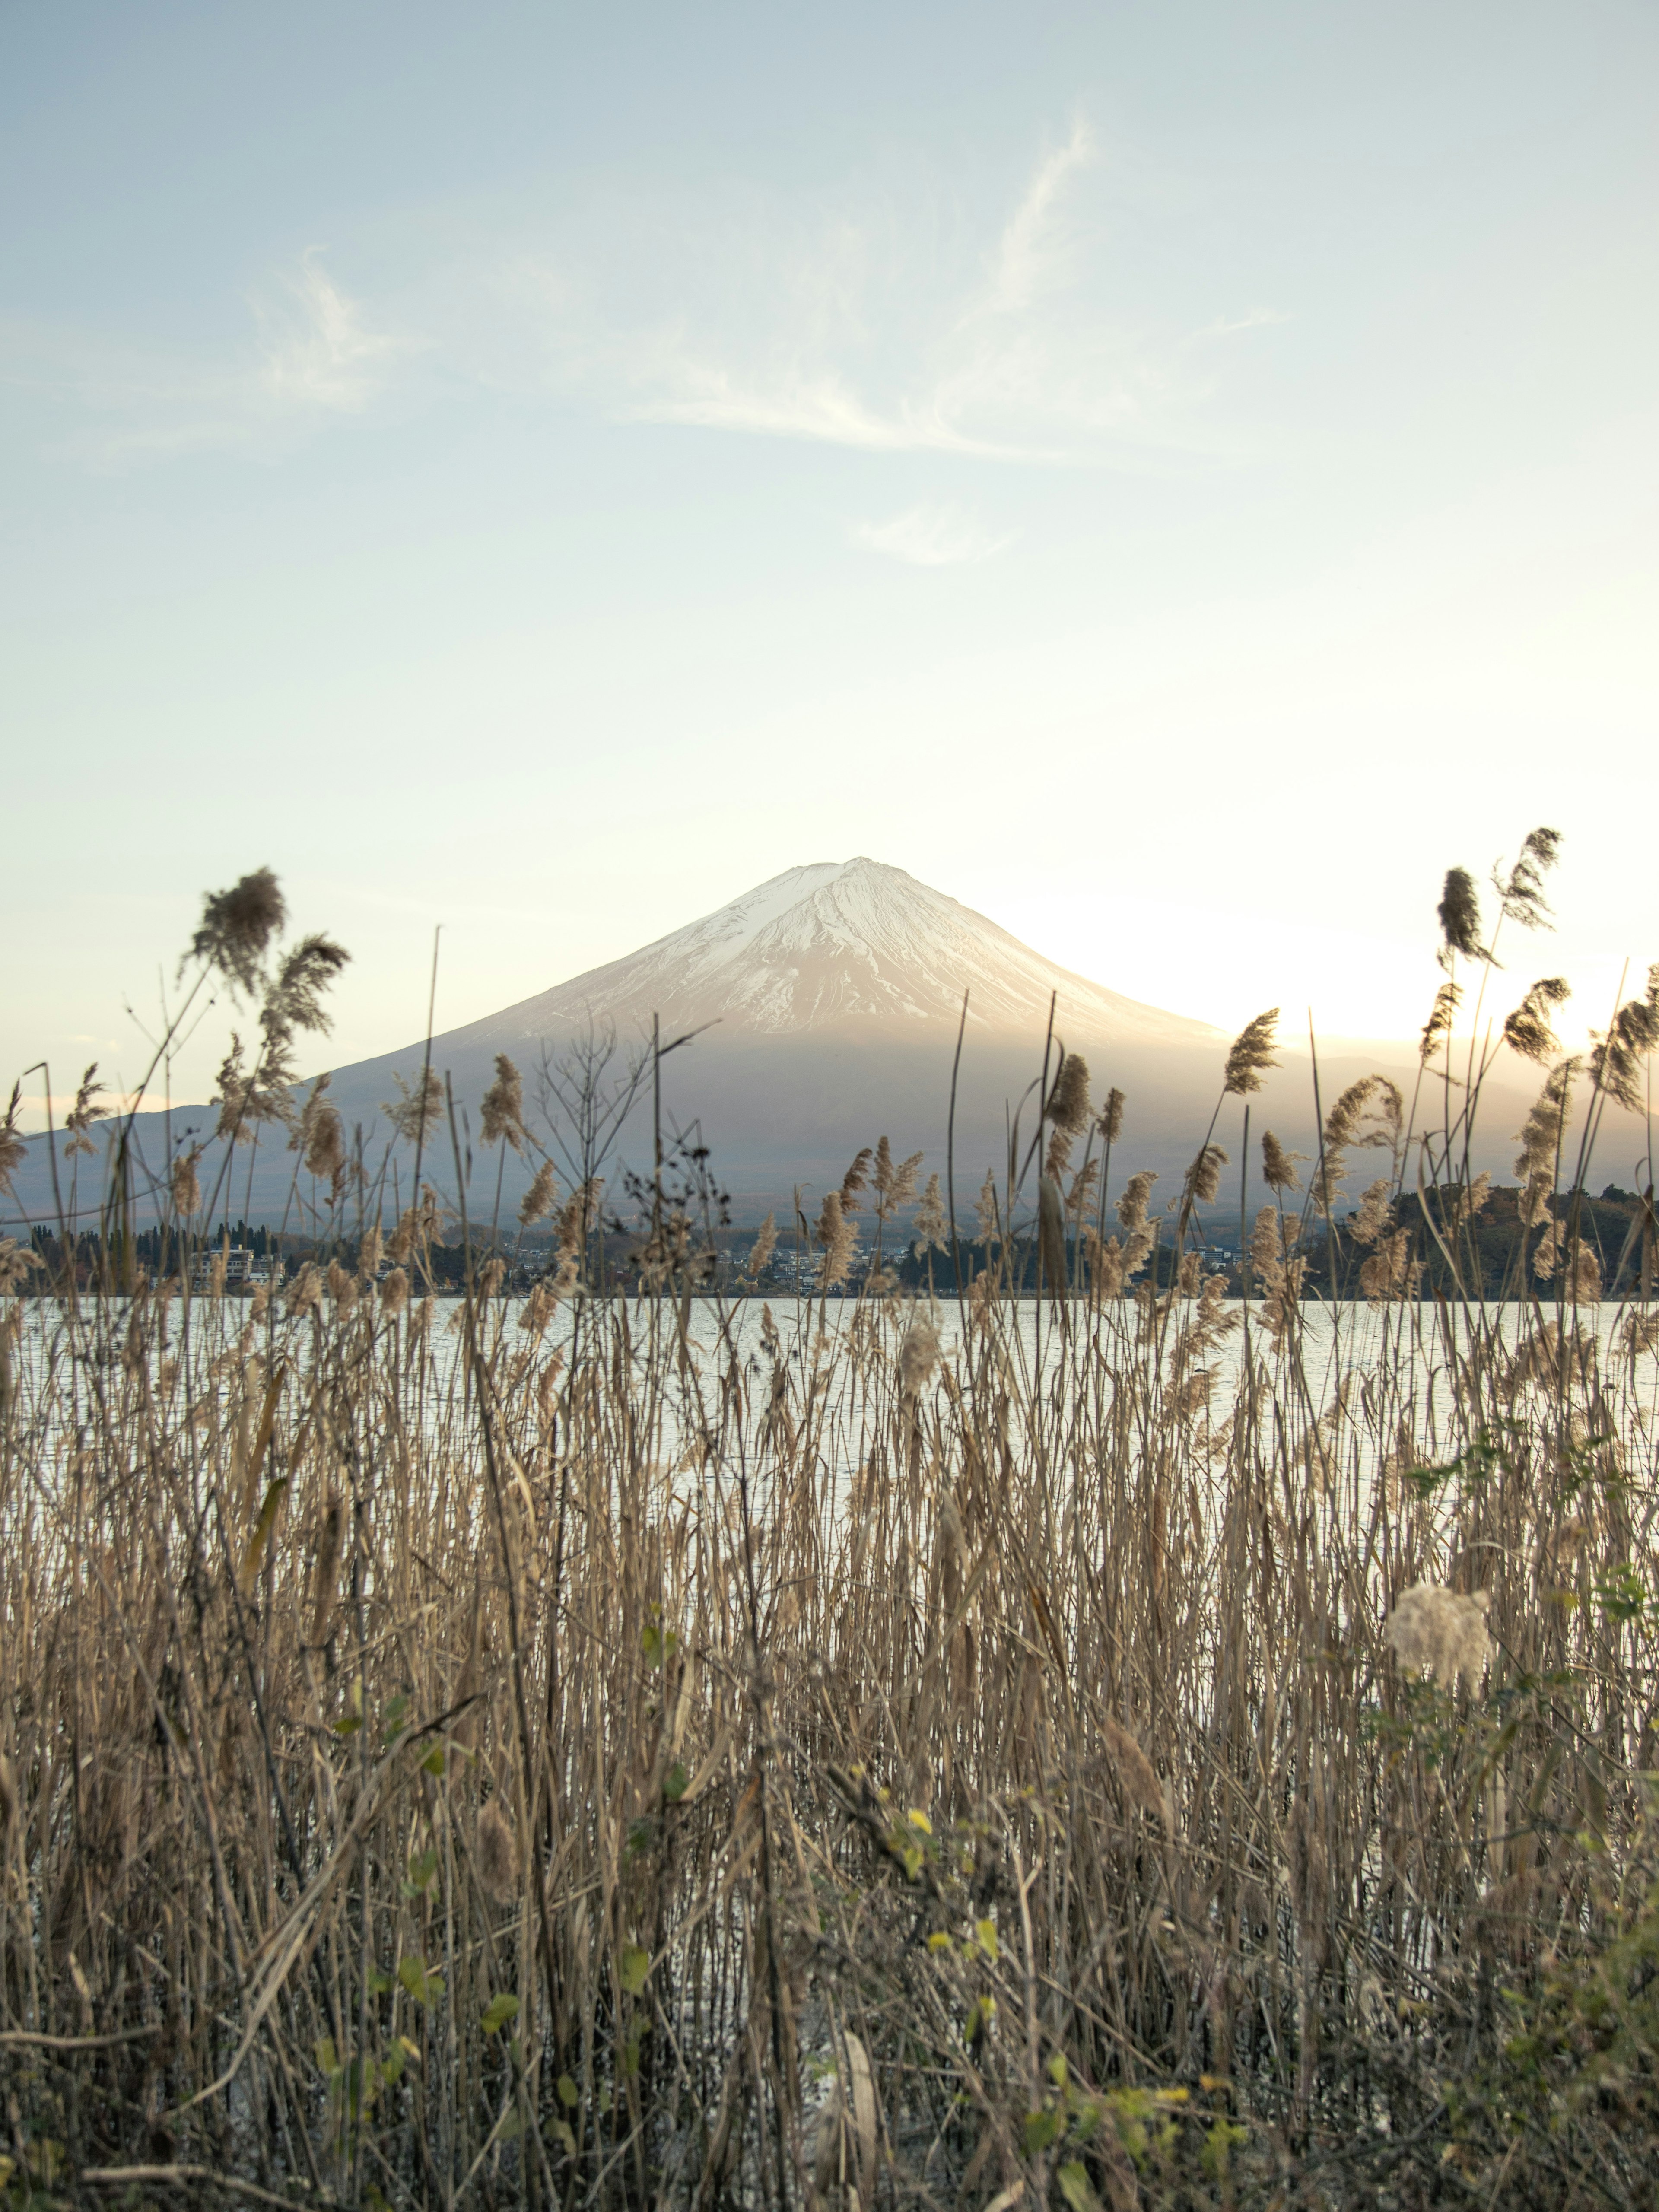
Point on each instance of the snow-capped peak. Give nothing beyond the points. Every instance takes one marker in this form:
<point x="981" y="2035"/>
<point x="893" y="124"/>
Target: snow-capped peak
<point x="837" y="942"/>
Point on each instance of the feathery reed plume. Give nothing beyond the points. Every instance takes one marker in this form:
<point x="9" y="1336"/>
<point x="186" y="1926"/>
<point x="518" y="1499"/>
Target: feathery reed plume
<point x="416" y="1226"/>
<point x="1541" y="1142"/>
<point x="1375" y="1216"/>
<point x="1546" y="1253"/>
<point x="416" y="1111"/>
<point x="988" y="1212"/>
<point x="81" y="1116"/>
<point x="1131" y="1213"/>
<point x="16" y="1261"/>
<point x="237" y="926"/>
<point x="368" y="1254"/>
<point x="498" y="1853"/>
<point x="1110" y="1124"/>
<point x="895" y="1184"/>
<point x="1059" y="1156"/>
<point x="1106" y="1262"/>
<point x="918" y="1357"/>
<point x="760" y="1256"/>
<point x="541" y="1196"/>
<point x="930" y="1225"/>
<point x="1460" y="919"/>
<point x="838" y="1238"/>
<point x="1132" y="1207"/>
<point x="394" y="1293"/>
<point x="184" y="1183"/>
<point x="502" y="1114"/>
<point x="1438" y="1027"/>
<point x="234" y="1123"/>
<point x="1527" y="1030"/>
<point x="856" y="1179"/>
<point x="1390" y="1272"/>
<point x="1278" y="1275"/>
<point x="1278" y="1166"/>
<point x="1344" y="1125"/>
<point x="1615" y="1064"/>
<point x="295" y="1000"/>
<point x="1068" y="1102"/>
<point x="343" y="1286"/>
<point x="1084" y="1183"/>
<point x="580" y="1216"/>
<point x="325" y="1575"/>
<point x="539" y="1310"/>
<point x="1136" y="1775"/>
<point x="1581" y="1275"/>
<point x="1203" y="1177"/>
<point x="1252" y="1051"/>
<point x="1470" y="1200"/>
<point x="1640" y="1334"/>
<point x="1521" y="892"/>
<point x="306" y="1291"/>
<point x="320" y="1136"/>
<point x="1435" y="1631"/>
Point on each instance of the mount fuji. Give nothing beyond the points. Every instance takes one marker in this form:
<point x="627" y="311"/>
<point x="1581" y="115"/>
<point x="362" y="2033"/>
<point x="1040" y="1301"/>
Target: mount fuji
<point x="848" y="945"/>
<point x="825" y="1005"/>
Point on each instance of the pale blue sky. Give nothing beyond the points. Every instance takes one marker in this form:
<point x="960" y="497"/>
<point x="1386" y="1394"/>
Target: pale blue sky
<point x="1175" y="477"/>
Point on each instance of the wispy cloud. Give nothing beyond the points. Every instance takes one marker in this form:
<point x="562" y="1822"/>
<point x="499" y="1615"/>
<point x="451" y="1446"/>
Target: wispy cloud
<point x="889" y="322"/>
<point x="932" y="537"/>
<point x="315" y="355"/>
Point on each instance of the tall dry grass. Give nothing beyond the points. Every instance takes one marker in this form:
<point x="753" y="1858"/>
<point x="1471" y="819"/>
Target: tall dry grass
<point x="590" y="1752"/>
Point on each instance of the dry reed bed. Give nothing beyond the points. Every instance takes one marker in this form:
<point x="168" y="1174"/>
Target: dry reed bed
<point x="443" y="1764"/>
<point x="350" y="1693"/>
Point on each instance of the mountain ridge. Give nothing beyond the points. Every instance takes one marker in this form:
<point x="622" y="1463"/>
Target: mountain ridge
<point x="830" y="943"/>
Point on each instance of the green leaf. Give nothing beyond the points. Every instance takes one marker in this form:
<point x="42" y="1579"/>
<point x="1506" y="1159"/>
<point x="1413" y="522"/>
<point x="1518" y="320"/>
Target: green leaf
<point x="392" y="1719"/>
<point x="425" y="1988"/>
<point x="563" y="2130"/>
<point x="349" y="1725"/>
<point x="1074" y="2180"/>
<point x="674" y="1785"/>
<point x="569" y="2095"/>
<point x="433" y="1761"/>
<point x="633" y="1965"/>
<point x="423" y="1873"/>
<point x="497" y="2013"/>
<point x="392" y="2065"/>
<point x="378" y="1982"/>
<point x="324" y="2053"/>
<point x="1040" y="2131"/>
<point x="985" y="1932"/>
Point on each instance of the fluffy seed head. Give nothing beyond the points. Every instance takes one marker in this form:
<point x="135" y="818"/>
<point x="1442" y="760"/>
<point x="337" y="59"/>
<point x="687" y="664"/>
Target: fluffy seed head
<point x="498" y="1853"/>
<point x="1459" y="918"/>
<point x="930" y="1224"/>
<point x="541" y="1196"/>
<point x="1132" y="1207"/>
<point x="1278" y="1166"/>
<point x="1436" y="1630"/>
<point x="185" y="1183"/>
<point x="760" y="1257"/>
<point x="1527" y="1031"/>
<point x="1252" y="1050"/>
<point x="502" y="1114"/>
<point x="918" y="1357"/>
<point x="1068" y="1104"/>
<point x="237" y="926"/>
